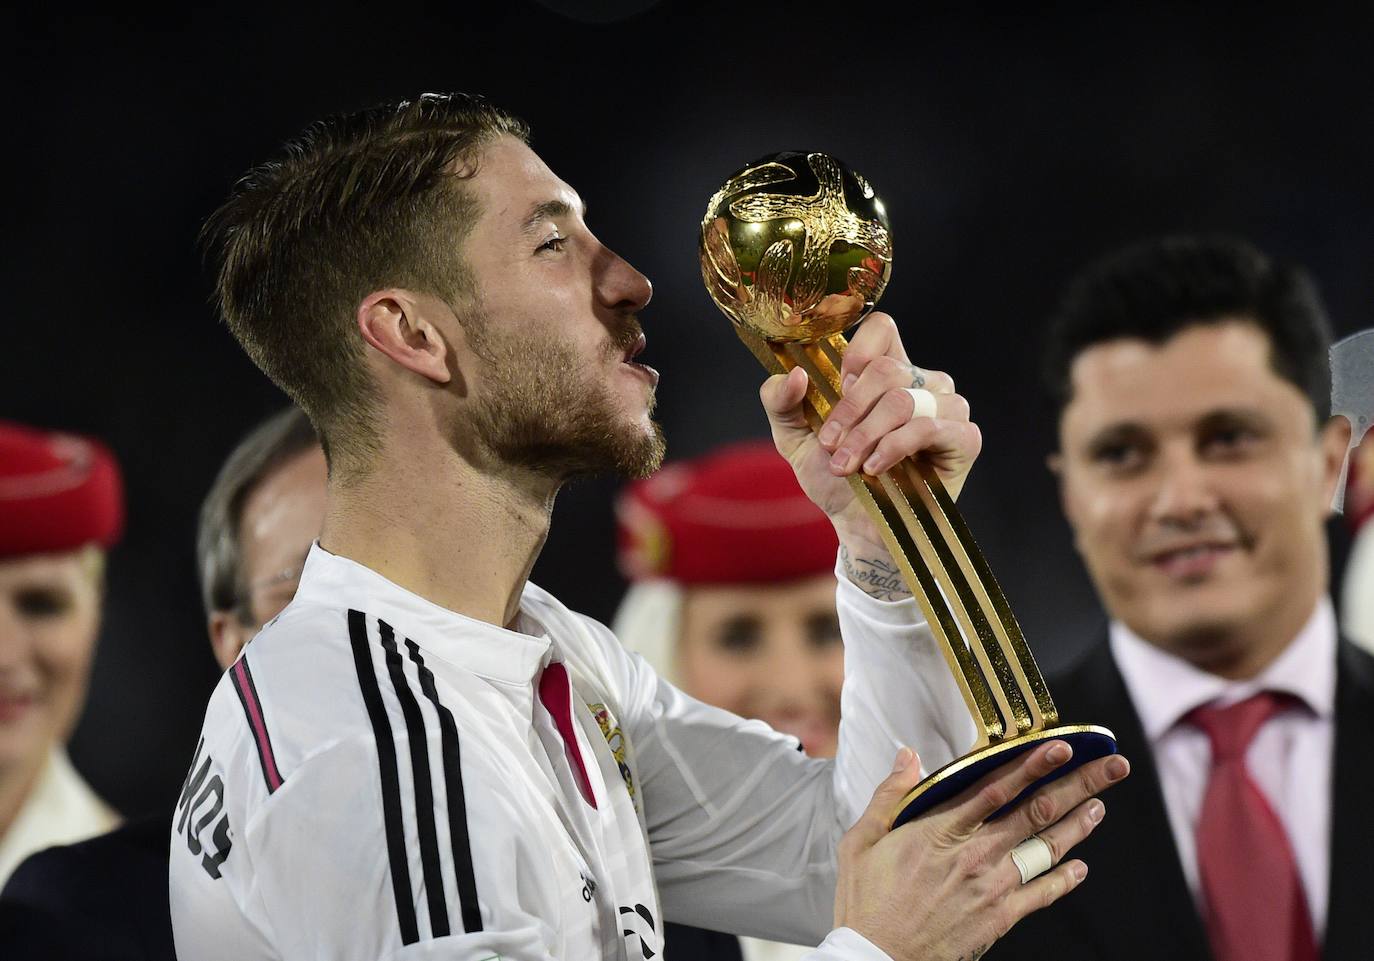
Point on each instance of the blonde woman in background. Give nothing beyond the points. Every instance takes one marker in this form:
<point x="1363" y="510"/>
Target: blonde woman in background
<point x="61" y="508"/>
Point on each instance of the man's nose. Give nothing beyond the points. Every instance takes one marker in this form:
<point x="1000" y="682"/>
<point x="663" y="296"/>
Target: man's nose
<point x="619" y="286"/>
<point x="1185" y="490"/>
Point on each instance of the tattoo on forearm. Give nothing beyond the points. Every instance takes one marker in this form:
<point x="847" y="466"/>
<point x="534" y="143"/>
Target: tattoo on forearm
<point x="876" y="577"/>
<point x="977" y="953"/>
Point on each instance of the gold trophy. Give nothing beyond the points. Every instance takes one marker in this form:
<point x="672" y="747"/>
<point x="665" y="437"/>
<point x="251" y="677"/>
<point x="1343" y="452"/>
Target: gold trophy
<point x="795" y="249"/>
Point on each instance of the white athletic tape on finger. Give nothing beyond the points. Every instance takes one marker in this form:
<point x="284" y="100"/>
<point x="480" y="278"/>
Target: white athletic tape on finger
<point x="923" y="401"/>
<point x="1032" y="857"/>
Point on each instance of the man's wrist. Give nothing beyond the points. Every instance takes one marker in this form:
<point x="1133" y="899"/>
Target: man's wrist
<point x="871" y="569"/>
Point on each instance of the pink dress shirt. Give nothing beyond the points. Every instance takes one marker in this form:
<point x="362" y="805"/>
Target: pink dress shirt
<point x="1290" y="758"/>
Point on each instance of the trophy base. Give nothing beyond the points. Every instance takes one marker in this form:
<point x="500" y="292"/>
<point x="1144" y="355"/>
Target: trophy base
<point x="1088" y="741"/>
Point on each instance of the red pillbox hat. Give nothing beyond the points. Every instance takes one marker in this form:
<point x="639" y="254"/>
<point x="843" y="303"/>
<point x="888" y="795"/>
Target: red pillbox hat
<point x="735" y="516"/>
<point x="58" y="492"/>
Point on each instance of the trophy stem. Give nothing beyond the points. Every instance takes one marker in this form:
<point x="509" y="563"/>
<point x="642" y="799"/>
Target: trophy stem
<point x="940" y="562"/>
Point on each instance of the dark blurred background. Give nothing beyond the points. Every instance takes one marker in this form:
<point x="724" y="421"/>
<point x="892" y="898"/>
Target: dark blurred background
<point x="1009" y="147"/>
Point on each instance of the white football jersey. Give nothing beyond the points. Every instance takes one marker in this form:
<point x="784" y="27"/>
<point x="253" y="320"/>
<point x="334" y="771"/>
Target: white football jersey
<point x="381" y="778"/>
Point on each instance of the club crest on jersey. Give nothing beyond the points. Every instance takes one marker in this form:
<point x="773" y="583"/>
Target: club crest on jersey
<point x="615" y="738"/>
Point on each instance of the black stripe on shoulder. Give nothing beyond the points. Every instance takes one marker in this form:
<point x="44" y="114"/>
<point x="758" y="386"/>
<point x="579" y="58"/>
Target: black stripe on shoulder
<point x="391" y="779"/>
<point x="424" y="789"/>
<point x="457" y="806"/>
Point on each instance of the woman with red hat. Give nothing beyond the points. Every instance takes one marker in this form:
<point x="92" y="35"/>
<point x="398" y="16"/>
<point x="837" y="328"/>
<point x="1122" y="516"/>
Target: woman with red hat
<point x="61" y="508"/>
<point x="734" y="589"/>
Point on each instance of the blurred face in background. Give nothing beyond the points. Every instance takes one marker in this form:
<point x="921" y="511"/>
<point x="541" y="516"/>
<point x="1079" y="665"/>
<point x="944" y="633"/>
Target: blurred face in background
<point x="282" y="515"/>
<point x="767" y="652"/>
<point x="49" y="618"/>
<point x="1197" y="486"/>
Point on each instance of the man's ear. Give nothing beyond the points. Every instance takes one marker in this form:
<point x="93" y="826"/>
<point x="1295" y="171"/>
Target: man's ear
<point x="391" y="321"/>
<point x="227" y="637"/>
<point x="1054" y="462"/>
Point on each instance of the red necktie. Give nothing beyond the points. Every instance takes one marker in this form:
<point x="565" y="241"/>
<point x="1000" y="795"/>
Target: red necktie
<point x="1255" y="906"/>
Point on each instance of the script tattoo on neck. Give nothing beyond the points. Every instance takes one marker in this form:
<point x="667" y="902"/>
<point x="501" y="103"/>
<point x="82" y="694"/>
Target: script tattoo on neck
<point x="875" y="576"/>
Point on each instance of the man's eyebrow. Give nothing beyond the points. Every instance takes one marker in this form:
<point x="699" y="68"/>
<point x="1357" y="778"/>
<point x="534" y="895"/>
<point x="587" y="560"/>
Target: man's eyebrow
<point x="1257" y="420"/>
<point x="1117" y="432"/>
<point x="547" y="210"/>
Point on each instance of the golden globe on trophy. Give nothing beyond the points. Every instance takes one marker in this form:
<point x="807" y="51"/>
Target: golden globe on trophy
<point x="795" y="249"/>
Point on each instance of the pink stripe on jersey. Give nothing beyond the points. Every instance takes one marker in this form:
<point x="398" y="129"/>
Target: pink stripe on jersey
<point x="555" y="691"/>
<point x="249" y="697"/>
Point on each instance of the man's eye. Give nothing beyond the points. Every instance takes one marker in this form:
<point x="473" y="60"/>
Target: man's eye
<point x="553" y="243"/>
<point x="43" y="603"/>
<point x="1228" y="440"/>
<point x="1118" y="456"/>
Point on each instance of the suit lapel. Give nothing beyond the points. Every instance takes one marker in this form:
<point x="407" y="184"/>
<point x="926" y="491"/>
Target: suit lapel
<point x="1350" y="922"/>
<point x="1136" y="896"/>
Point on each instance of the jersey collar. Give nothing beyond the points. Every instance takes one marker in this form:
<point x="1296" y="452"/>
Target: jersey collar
<point x="484" y="649"/>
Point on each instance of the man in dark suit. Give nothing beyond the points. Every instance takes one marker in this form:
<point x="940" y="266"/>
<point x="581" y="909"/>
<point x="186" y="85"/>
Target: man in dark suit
<point x="1197" y="463"/>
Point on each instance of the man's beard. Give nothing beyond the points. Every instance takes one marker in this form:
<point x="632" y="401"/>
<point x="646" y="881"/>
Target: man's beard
<point x="544" y="412"/>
